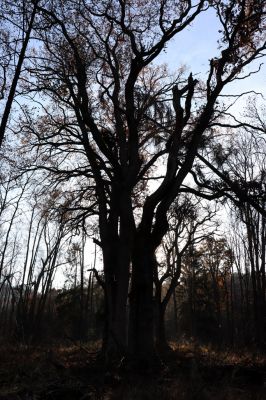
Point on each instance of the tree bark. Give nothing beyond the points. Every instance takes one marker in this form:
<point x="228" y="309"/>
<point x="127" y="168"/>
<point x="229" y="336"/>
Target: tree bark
<point x="141" y="318"/>
<point x="116" y="268"/>
<point x="161" y="342"/>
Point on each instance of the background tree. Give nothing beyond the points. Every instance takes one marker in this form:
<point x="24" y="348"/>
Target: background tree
<point x="17" y="21"/>
<point x="189" y="224"/>
<point x="248" y="167"/>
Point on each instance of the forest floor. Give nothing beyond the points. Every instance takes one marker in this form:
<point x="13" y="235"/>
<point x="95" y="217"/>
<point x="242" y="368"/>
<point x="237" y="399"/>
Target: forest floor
<point x="74" y="373"/>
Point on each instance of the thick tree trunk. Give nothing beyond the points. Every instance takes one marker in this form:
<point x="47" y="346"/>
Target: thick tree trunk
<point x="116" y="291"/>
<point x="161" y="342"/>
<point x="175" y="314"/>
<point x="117" y="245"/>
<point x="159" y="320"/>
<point x="141" y="319"/>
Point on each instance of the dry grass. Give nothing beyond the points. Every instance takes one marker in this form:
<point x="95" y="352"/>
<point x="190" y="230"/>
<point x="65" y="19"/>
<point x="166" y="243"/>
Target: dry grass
<point x="72" y="372"/>
<point x="241" y="357"/>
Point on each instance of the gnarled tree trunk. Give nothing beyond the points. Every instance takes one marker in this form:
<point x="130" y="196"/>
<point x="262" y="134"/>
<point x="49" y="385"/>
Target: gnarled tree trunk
<point x="141" y="318"/>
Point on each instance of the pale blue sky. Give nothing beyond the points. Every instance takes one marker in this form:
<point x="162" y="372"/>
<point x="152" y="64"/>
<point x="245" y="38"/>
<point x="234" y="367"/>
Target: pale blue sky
<point x="196" y="45"/>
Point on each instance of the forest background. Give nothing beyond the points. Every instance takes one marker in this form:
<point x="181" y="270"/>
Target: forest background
<point x="132" y="197"/>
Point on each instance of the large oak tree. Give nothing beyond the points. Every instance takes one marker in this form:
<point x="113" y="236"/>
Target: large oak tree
<point x="93" y="72"/>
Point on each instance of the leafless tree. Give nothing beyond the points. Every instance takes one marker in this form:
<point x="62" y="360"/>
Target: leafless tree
<point x="17" y="20"/>
<point x="189" y="224"/>
<point x="93" y="66"/>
